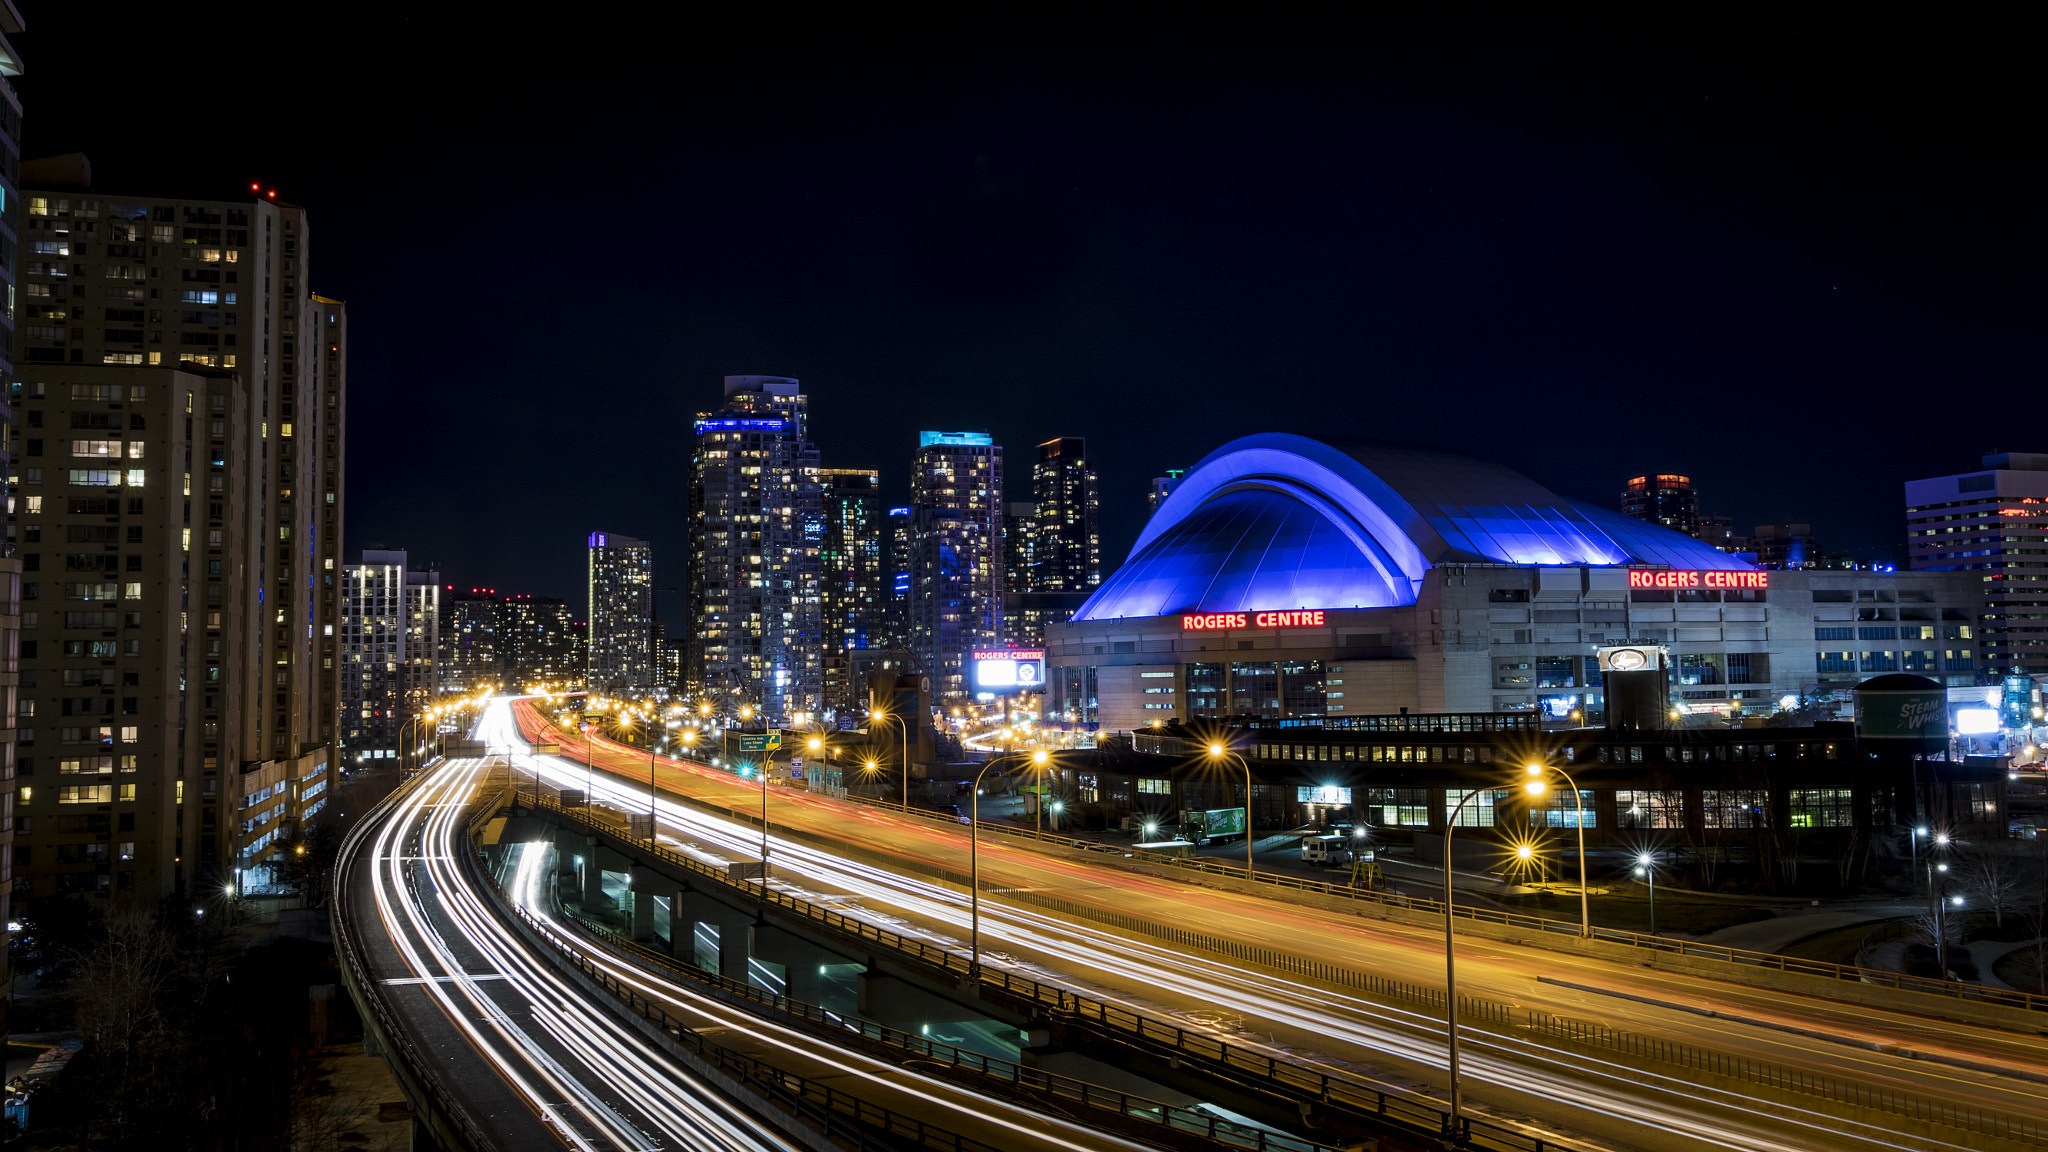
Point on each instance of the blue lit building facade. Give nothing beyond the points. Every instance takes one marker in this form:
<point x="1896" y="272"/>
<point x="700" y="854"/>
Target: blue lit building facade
<point x="956" y="554"/>
<point x="757" y="536"/>
<point x="1290" y="576"/>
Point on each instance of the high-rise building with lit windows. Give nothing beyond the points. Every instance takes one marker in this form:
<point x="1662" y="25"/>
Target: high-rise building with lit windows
<point x="851" y="565"/>
<point x="621" y="615"/>
<point x="956" y="591"/>
<point x="757" y="536"/>
<point x="1992" y="522"/>
<point x="390" y="651"/>
<point x="1663" y="498"/>
<point x="10" y="566"/>
<point x="1066" y="553"/>
<point x="183" y="396"/>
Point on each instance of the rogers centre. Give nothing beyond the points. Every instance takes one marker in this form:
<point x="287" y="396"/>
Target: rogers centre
<point x="1293" y="577"/>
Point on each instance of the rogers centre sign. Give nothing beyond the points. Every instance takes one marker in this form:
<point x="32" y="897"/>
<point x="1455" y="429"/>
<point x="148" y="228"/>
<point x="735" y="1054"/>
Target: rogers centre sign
<point x="1672" y="578"/>
<point x="1216" y="621"/>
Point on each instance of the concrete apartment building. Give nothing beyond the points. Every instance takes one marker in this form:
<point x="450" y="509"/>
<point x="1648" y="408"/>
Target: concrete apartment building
<point x="183" y="397"/>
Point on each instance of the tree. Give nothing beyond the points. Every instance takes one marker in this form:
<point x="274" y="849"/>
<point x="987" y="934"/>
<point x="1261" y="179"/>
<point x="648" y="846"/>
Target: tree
<point x="1995" y="875"/>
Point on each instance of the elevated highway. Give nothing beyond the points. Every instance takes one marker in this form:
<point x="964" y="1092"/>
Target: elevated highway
<point x="1578" y="1048"/>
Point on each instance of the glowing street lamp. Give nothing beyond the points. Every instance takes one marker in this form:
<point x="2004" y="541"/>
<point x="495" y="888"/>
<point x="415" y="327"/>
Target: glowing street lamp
<point x="1218" y="752"/>
<point x="1536" y="787"/>
<point x="1646" y="866"/>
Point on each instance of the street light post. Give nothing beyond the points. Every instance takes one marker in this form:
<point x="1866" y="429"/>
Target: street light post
<point x="1536" y="788"/>
<point x="974" y="871"/>
<point x="1647" y="865"/>
<point x="1038" y="760"/>
<point x="1218" y="751"/>
<point x="1455" y="1124"/>
<point x="904" y="730"/>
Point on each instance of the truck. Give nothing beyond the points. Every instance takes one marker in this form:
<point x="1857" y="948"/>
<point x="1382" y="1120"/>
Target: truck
<point x="1201" y="825"/>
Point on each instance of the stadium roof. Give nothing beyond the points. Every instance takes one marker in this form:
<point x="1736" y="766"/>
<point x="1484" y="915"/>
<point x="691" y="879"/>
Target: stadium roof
<point x="1277" y="521"/>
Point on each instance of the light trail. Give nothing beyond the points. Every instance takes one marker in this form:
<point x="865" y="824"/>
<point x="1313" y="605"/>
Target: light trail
<point x="571" y="1043"/>
<point x="1677" y="1108"/>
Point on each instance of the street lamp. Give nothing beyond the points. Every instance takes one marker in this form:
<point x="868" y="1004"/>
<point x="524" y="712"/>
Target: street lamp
<point x="974" y="870"/>
<point x="1455" y="1125"/>
<point x="1218" y="751"/>
<point x="1941" y="927"/>
<point x="1038" y="760"/>
<point x="903" y="729"/>
<point x="1646" y="865"/>
<point x="1536" y="788"/>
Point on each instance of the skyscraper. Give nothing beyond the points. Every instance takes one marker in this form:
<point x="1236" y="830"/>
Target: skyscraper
<point x="390" y="631"/>
<point x="1991" y="522"/>
<point x="535" y="642"/>
<point x="850" y="569"/>
<point x="1663" y="498"/>
<point x="1162" y="487"/>
<point x="956" y="593"/>
<point x="757" y="535"/>
<point x="186" y="395"/>
<point x="1066" y="542"/>
<point x="901" y="555"/>
<point x="1020" y="552"/>
<point x="621" y="615"/>
<point x="470" y="656"/>
<point x="10" y="566"/>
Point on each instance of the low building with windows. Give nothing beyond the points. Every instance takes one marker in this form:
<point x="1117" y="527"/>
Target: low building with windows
<point x="1297" y="578"/>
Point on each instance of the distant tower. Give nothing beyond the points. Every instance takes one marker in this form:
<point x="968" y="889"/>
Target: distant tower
<point x="757" y="532"/>
<point x="1067" y="544"/>
<point x="621" y="614"/>
<point x="956" y="594"/>
<point x="1663" y="498"/>
<point x="1162" y="487"/>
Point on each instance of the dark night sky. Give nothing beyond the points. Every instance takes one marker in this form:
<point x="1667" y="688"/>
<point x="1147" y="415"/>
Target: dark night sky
<point x="1798" y="258"/>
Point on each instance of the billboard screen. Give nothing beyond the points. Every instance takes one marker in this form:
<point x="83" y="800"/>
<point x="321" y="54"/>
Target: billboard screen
<point x="1004" y="670"/>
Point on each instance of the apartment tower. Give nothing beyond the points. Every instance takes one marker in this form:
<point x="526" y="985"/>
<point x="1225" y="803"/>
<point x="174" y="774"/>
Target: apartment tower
<point x="956" y="594"/>
<point x="184" y="398"/>
<point x="621" y="615"/>
<point x="757" y="536"/>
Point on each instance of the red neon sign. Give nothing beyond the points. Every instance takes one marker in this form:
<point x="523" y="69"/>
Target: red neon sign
<point x="1671" y="578"/>
<point x="1217" y="621"/>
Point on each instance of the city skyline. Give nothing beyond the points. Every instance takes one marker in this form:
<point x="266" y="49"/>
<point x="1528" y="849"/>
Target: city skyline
<point x="1775" y="235"/>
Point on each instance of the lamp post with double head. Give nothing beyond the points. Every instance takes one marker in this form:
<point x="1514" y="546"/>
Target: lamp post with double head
<point x="974" y="869"/>
<point x="1455" y="1123"/>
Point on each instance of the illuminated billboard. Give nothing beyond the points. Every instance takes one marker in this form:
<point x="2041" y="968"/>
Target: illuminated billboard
<point x="1005" y="670"/>
<point x="1711" y="578"/>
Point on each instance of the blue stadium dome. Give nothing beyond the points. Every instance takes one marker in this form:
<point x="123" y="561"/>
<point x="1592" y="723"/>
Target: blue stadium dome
<point x="1277" y="521"/>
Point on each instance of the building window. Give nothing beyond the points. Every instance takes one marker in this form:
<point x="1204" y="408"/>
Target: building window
<point x="1822" y="808"/>
<point x="1478" y="810"/>
<point x="1649" y="809"/>
<point x="1733" y="807"/>
<point x="1149" y="787"/>
<point x="1398" y="807"/>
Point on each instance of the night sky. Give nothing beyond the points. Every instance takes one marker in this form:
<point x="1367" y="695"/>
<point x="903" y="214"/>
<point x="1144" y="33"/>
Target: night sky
<point x="1797" y="258"/>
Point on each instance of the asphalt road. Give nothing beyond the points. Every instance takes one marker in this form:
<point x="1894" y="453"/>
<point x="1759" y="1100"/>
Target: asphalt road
<point x="1613" y="1101"/>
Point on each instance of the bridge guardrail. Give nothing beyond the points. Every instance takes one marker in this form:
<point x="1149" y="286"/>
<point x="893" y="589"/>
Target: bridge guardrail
<point x="1685" y="948"/>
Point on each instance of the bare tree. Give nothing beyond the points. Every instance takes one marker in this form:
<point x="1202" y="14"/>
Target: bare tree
<point x="1995" y="875"/>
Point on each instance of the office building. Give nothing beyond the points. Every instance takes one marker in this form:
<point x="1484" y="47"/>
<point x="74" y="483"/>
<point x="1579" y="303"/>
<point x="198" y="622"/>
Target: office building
<point x="1991" y="524"/>
<point x="10" y="565"/>
<point x="621" y="615"/>
<point x="899" y="560"/>
<point x="390" y="647"/>
<point x="1020" y="531"/>
<point x="956" y="590"/>
<point x="757" y="536"/>
<point x="186" y="397"/>
<point x="1663" y="498"/>
<point x="1412" y="580"/>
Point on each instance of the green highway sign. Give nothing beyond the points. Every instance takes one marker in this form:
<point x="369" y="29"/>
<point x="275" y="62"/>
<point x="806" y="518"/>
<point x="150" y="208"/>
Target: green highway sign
<point x="760" y="742"/>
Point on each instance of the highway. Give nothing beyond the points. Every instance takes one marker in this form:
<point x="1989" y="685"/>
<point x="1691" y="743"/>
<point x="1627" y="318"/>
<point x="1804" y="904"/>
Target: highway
<point x="531" y="1060"/>
<point x="1614" y="1101"/>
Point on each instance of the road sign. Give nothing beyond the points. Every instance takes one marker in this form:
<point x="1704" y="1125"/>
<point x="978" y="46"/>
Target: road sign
<point x="760" y="741"/>
<point x="573" y="798"/>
